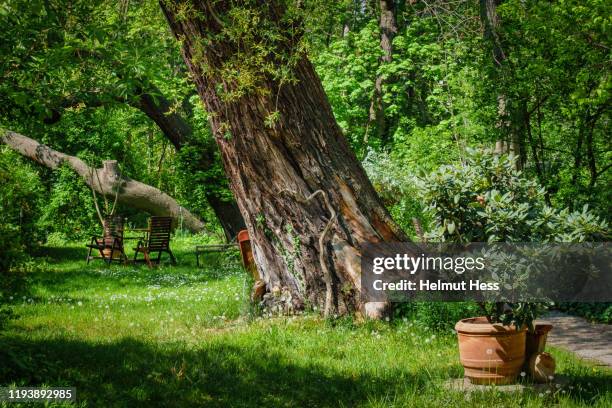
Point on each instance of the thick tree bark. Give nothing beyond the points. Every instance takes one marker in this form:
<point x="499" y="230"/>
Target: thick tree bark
<point x="105" y="181"/>
<point x="388" y="30"/>
<point x="273" y="168"/>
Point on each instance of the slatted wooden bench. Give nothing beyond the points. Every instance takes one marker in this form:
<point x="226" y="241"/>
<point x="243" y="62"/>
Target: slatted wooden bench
<point x="201" y="250"/>
<point x="157" y="240"/>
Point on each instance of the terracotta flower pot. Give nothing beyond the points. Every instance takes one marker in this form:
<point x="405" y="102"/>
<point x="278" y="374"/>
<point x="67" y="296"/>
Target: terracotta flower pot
<point x="536" y="341"/>
<point x="490" y="353"/>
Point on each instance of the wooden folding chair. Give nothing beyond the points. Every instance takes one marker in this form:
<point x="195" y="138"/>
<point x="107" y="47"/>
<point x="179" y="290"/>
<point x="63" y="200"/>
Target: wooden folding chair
<point x="110" y="245"/>
<point x="157" y="239"/>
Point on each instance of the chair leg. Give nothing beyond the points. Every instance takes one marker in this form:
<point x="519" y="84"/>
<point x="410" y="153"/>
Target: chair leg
<point x="173" y="258"/>
<point x="147" y="258"/>
<point x="89" y="255"/>
<point x="122" y="256"/>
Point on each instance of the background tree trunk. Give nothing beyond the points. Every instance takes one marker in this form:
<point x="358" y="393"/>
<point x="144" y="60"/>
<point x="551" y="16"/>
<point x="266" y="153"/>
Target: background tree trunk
<point x="388" y="30"/>
<point x="510" y="118"/>
<point x="105" y="181"/>
<point x="273" y="168"/>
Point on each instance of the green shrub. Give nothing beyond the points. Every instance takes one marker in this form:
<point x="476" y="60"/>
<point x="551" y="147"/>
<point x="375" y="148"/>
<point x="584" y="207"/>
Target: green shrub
<point x="598" y="312"/>
<point x="485" y="199"/>
<point x="440" y="316"/>
<point x="20" y="198"/>
<point x="69" y="212"/>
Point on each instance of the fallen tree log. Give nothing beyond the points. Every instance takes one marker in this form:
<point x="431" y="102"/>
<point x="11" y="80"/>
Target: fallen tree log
<point x="105" y="180"/>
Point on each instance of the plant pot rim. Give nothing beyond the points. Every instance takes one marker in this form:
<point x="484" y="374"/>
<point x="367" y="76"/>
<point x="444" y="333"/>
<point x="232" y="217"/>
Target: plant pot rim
<point x="481" y="326"/>
<point x="542" y="328"/>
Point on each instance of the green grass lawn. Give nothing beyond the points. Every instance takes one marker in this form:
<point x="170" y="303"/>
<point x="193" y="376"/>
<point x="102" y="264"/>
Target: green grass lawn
<point x="178" y="336"/>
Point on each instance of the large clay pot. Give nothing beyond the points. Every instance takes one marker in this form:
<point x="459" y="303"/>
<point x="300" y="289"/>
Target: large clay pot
<point x="490" y="353"/>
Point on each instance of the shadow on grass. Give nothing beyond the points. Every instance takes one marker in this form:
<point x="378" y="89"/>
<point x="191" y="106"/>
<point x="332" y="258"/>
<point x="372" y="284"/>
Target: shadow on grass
<point x="58" y="255"/>
<point x="131" y="373"/>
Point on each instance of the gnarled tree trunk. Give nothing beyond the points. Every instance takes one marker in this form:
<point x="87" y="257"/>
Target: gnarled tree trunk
<point x="105" y="181"/>
<point x="274" y="167"/>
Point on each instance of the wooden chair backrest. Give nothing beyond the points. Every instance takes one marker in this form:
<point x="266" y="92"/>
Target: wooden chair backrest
<point x="159" y="233"/>
<point x="113" y="230"/>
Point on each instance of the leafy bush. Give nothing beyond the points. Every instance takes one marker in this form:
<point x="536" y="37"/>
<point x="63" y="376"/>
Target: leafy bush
<point x="70" y="211"/>
<point x="598" y="312"/>
<point x="440" y="316"/>
<point x="485" y="199"/>
<point x="20" y="196"/>
<point x="396" y="187"/>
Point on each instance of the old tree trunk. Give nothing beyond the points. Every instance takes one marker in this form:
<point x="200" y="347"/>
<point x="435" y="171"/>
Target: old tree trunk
<point x="280" y="144"/>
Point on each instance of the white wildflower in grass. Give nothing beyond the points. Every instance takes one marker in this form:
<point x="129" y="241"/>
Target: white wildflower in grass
<point x="540" y="395"/>
<point x="80" y="303"/>
<point x="550" y="377"/>
<point x="523" y="373"/>
<point x="548" y="391"/>
<point x="387" y="319"/>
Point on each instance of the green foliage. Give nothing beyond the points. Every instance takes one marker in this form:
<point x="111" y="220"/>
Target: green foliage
<point x="440" y="316"/>
<point x="20" y="201"/>
<point x="486" y="200"/>
<point x="598" y="312"/>
<point x="70" y="212"/>
<point x="395" y="184"/>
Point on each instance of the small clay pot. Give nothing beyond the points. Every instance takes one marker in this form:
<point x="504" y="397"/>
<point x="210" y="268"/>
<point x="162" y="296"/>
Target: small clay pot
<point x="542" y="367"/>
<point x="490" y="353"/>
<point x="536" y="341"/>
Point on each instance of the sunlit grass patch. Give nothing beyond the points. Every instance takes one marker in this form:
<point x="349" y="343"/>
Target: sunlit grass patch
<point x="178" y="336"/>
